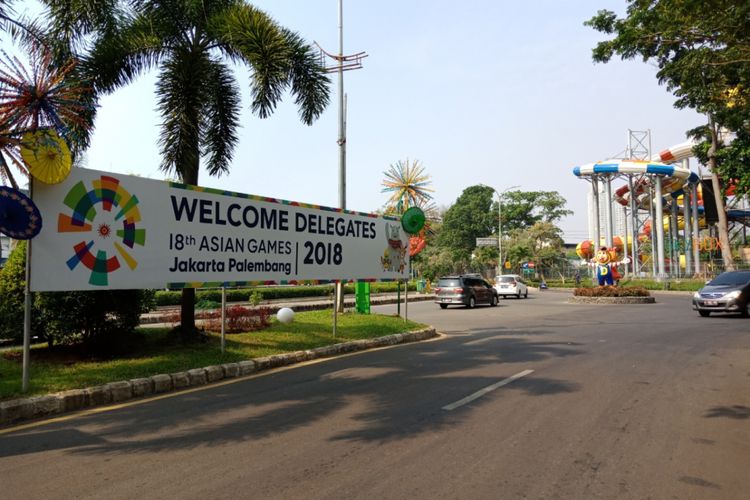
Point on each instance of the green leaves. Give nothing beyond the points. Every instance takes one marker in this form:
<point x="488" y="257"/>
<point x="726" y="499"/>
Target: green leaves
<point x="523" y="209"/>
<point x="468" y="219"/>
<point x="702" y="50"/>
<point x="191" y="42"/>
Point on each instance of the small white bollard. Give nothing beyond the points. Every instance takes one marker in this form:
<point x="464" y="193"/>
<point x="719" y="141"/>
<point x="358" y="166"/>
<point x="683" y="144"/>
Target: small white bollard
<point x="285" y="315"/>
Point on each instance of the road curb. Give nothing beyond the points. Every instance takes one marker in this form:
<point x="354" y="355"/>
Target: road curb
<point x="36" y="407"/>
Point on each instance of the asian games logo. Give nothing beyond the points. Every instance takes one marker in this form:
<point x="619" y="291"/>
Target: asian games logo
<point x="93" y="214"/>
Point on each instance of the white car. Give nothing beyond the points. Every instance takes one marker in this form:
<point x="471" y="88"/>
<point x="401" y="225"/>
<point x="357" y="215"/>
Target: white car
<point x="511" y="285"/>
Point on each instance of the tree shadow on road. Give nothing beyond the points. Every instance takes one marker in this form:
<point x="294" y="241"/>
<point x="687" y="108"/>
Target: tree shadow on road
<point x="375" y="397"/>
<point x="736" y="412"/>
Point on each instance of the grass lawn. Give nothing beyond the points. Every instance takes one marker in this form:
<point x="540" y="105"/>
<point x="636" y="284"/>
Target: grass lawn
<point x="151" y="351"/>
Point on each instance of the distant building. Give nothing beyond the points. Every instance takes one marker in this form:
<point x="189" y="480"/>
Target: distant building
<point x="4" y="248"/>
<point x="618" y="214"/>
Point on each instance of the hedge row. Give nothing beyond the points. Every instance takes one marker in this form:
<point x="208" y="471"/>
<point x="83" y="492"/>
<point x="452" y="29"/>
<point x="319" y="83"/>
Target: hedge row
<point x="685" y="285"/>
<point x="612" y="291"/>
<point x="173" y="297"/>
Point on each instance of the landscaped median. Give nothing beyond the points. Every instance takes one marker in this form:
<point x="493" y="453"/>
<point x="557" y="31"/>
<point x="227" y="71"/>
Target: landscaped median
<point x="612" y="295"/>
<point x="92" y="382"/>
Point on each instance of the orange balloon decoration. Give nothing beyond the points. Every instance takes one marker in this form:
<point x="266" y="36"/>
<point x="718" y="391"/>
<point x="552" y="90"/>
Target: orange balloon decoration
<point x="585" y="249"/>
<point x="416" y="245"/>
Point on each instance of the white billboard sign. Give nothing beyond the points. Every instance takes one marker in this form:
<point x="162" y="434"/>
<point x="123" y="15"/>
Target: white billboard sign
<point x="486" y="242"/>
<point x="110" y="231"/>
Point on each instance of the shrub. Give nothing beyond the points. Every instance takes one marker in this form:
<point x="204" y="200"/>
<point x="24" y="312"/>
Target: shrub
<point x="92" y="317"/>
<point x="240" y="319"/>
<point x="173" y="298"/>
<point x="68" y="317"/>
<point x="256" y="297"/>
<point x="206" y="304"/>
<point x="12" y="283"/>
<point x="612" y="291"/>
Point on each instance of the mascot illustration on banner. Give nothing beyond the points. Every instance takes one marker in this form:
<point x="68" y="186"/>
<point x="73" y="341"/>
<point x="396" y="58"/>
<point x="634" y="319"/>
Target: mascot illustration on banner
<point x="394" y="256"/>
<point x="605" y="262"/>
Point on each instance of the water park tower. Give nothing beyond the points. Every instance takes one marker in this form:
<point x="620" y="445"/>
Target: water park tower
<point x="653" y="184"/>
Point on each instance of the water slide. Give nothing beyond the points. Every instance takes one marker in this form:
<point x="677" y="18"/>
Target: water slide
<point x="673" y="184"/>
<point x="663" y="172"/>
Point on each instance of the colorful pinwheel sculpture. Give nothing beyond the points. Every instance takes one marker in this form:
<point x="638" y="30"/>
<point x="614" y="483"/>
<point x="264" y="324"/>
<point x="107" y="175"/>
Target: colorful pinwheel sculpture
<point x="43" y="100"/>
<point x="408" y="184"/>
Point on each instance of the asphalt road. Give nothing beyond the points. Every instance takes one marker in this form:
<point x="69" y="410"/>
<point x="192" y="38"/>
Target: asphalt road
<point x="536" y="398"/>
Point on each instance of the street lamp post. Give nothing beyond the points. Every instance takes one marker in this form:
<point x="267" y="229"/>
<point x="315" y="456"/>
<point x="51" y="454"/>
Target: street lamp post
<point x="500" y="261"/>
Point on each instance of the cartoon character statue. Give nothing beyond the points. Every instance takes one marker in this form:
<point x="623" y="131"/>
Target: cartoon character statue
<point x="394" y="256"/>
<point x="605" y="261"/>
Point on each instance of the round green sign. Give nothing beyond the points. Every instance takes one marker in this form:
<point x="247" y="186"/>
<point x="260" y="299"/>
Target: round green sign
<point x="413" y="220"/>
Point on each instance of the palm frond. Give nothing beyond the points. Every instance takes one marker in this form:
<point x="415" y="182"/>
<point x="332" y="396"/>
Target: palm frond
<point x="72" y="21"/>
<point x="181" y="90"/>
<point x="119" y="56"/>
<point x="309" y="83"/>
<point x="10" y="154"/>
<point x="221" y="118"/>
<point x="262" y="45"/>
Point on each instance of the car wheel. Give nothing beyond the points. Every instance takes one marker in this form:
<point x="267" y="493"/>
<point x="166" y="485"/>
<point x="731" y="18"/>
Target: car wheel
<point x="494" y="301"/>
<point x="518" y="295"/>
<point x="472" y="302"/>
<point x="526" y="294"/>
<point x="705" y="314"/>
<point x="746" y="311"/>
<point x="443" y="306"/>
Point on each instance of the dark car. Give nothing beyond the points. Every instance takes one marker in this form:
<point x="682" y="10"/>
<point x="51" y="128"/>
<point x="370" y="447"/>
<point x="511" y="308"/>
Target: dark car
<point x="466" y="290"/>
<point x="728" y="292"/>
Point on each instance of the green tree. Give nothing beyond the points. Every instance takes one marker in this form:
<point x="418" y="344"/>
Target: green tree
<point x="439" y="261"/>
<point x="702" y="50"/>
<point x="518" y="249"/>
<point x="192" y="44"/>
<point x="12" y="283"/>
<point x="469" y="218"/>
<point x="523" y="209"/>
<point x="546" y="244"/>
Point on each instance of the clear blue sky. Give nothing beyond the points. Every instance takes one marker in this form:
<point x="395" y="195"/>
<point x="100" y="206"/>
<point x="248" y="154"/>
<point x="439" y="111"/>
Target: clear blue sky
<point x="482" y="91"/>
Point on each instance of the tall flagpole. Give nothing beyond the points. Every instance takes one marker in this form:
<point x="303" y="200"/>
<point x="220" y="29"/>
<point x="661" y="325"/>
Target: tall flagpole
<point x="342" y="63"/>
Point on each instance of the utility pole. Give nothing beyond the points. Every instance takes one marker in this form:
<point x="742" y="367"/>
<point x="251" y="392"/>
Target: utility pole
<point x="341" y="63"/>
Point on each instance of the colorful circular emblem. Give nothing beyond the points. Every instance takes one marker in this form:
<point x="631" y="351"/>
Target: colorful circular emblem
<point x="108" y="215"/>
<point x="19" y="217"/>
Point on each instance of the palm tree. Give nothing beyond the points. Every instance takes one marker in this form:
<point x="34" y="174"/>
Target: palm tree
<point x="192" y="43"/>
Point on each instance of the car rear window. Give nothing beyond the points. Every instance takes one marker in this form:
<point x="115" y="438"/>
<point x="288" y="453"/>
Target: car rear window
<point x="506" y="279"/>
<point x="447" y="283"/>
<point x="732" y="278"/>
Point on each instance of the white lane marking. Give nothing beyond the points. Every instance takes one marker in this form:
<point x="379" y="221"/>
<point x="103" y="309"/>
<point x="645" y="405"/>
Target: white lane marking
<point x="506" y="333"/>
<point x="489" y="388"/>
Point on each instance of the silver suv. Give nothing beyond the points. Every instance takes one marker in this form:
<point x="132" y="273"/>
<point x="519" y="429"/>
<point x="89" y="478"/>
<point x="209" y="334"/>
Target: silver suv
<point x="466" y="290"/>
<point x="511" y="285"/>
